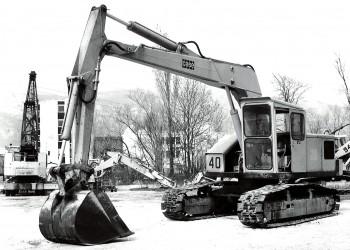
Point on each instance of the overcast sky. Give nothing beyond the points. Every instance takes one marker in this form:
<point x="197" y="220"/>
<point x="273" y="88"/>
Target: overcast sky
<point x="296" y="38"/>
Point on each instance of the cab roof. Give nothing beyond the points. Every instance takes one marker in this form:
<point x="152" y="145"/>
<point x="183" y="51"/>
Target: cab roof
<point x="276" y="103"/>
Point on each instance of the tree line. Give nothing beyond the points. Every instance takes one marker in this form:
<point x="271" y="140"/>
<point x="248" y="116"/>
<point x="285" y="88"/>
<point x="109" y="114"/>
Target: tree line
<point x="333" y="117"/>
<point x="173" y="127"/>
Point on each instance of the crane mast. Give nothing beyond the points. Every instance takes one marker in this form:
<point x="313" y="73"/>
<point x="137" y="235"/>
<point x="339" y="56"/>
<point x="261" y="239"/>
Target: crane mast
<point x="30" y="123"/>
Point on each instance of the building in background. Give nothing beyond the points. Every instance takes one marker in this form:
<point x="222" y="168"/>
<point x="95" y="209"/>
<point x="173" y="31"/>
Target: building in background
<point x="178" y="154"/>
<point x="51" y="122"/>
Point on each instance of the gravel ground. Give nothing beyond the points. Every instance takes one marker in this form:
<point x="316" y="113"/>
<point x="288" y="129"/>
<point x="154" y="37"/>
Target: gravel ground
<point x="140" y="210"/>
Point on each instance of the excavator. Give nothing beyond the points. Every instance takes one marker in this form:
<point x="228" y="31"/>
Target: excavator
<point x="119" y="158"/>
<point x="269" y="173"/>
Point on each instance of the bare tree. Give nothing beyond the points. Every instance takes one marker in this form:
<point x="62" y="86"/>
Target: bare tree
<point x="145" y="121"/>
<point x="340" y="67"/>
<point x="336" y="117"/>
<point x="168" y="89"/>
<point x="332" y="118"/>
<point x="196" y="117"/>
<point x="289" y="89"/>
<point x="315" y="122"/>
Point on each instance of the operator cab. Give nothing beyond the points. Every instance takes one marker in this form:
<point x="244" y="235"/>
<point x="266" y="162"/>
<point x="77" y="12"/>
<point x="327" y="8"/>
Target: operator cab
<point x="273" y="131"/>
<point x="274" y="141"/>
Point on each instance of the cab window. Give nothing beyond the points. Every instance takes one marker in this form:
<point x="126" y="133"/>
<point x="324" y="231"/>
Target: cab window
<point x="257" y="120"/>
<point x="258" y="153"/>
<point x="328" y="150"/>
<point x="297" y="126"/>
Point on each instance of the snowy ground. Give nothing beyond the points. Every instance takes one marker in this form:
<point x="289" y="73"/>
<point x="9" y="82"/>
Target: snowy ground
<point x="140" y="210"/>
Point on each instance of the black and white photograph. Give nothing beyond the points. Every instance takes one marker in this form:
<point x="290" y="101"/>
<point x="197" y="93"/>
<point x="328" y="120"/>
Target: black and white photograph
<point x="175" y="125"/>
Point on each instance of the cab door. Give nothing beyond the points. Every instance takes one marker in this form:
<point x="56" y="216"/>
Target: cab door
<point x="298" y="142"/>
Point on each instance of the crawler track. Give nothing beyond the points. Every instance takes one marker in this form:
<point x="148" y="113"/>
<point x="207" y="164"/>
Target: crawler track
<point x="286" y="204"/>
<point x="199" y="201"/>
<point x="172" y="205"/>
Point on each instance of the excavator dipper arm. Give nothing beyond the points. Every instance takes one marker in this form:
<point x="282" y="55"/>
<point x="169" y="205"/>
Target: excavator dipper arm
<point x="74" y="214"/>
<point x="118" y="158"/>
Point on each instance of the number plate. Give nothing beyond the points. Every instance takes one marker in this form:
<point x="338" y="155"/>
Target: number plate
<point x="214" y="163"/>
<point x="187" y="64"/>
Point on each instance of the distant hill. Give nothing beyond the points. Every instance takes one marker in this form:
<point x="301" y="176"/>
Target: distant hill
<point x="10" y="131"/>
<point x="114" y="97"/>
<point x="45" y="97"/>
<point x="11" y="114"/>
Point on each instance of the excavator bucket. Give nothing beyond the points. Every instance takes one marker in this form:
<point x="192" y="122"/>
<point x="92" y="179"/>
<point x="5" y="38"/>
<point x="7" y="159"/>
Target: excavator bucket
<point x="74" y="214"/>
<point x="87" y="217"/>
